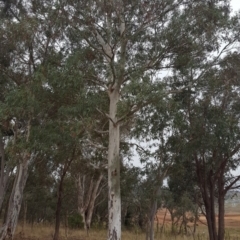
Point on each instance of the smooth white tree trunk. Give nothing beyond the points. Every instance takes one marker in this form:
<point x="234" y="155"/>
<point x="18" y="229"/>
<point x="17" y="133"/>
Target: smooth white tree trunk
<point x="86" y="199"/>
<point x="114" y="197"/>
<point x="92" y="201"/>
<point x="83" y="196"/>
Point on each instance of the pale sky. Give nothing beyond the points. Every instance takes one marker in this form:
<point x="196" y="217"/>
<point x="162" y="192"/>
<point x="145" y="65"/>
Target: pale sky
<point x="235" y="5"/>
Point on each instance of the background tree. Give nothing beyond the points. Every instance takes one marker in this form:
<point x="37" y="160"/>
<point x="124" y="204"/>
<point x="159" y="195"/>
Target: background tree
<point x="209" y="130"/>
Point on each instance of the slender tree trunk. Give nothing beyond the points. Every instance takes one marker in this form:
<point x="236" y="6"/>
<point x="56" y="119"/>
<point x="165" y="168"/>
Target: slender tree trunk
<point x="152" y="218"/>
<point x="66" y="225"/>
<point x="114" y="197"/>
<point x="210" y="216"/>
<point x="195" y="220"/>
<point x="58" y="210"/>
<point x="210" y="225"/>
<point x="92" y="201"/>
<point x="60" y="195"/>
<point x="3" y="175"/>
<point x="84" y="197"/>
<point x="80" y="197"/>
<point x="212" y="206"/>
<point x="15" y="201"/>
<point x="221" y="211"/>
<point x="207" y="186"/>
<point x="172" y="219"/>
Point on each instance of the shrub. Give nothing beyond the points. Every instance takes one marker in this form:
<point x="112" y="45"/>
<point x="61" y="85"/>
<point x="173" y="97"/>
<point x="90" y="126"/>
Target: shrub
<point x="75" y="221"/>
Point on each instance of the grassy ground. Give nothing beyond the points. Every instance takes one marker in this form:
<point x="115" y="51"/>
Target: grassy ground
<point x="44" y="232"/>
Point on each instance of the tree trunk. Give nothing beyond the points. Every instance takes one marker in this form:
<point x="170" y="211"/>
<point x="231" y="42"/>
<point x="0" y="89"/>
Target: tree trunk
<point x="58" y="210"/>
<point x="221" y="211"/>
<point x="195" y="220"/>
<point x="210" y="214"/>
<point x="210" y="225"/>
<point x="83" y="196"/>
<point x="92" y="202"/>
<point x="15" y="200"/>
<point x="60" y="195"/>
<point x="207" y="185"/>
<point x="114" y="197"/>
<point x="3" y="175"/>
<point x="66" y="225"/>
<point x="212" y="206"/>
<point x="151" y="220"/>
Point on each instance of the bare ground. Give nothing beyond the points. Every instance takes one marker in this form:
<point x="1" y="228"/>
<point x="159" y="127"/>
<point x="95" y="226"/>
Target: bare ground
<point x="232" y="219"/>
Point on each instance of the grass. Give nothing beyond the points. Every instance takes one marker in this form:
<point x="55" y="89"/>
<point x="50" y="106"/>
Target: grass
<point x="45" y="232"/>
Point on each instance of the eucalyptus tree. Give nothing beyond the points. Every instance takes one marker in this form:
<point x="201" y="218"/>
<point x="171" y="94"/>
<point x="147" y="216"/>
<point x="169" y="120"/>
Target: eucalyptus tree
<point x="208" y="126"/>
<point x="127" y="43"/>
<point x="30" y="33"/>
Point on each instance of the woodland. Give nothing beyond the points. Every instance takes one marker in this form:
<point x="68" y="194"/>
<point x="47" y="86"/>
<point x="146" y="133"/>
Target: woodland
<point x="87" y="87"/>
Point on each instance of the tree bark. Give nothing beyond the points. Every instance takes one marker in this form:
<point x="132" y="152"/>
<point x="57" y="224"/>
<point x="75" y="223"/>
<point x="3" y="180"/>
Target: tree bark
<point x="83" y="196"/>
<point x="114" y="197"/>
<point x="3" y="175"/>
<point x="210" y="212"/>
<point x="58" y="209"/>
<point x="151" y="221"/>
<point x="92" y="201"/>
<point x="221" y="210"/>
<point x="15" y="201"/>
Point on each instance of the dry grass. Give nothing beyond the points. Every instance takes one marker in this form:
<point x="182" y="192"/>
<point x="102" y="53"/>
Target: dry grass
<point x="45" y="232"/>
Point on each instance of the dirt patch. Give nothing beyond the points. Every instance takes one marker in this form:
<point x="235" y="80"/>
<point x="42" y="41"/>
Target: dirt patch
<point x="231" y="220"/>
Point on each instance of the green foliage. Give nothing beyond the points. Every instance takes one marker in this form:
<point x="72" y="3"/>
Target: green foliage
<point x="75" y="221"/>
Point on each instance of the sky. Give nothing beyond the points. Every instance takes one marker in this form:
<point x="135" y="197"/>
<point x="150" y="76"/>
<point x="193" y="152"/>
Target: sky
<point x="235" y="4"/>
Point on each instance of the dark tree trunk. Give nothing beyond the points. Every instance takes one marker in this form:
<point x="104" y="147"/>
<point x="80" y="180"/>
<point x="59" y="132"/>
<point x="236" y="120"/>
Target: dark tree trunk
<point x="58" y="210"/>
<point x="210" y="213"/>
<point x="3" y="174"/>
<point x="221" y="210"/>
<point x="206" y="183"/>
<point x="60" y="195"/>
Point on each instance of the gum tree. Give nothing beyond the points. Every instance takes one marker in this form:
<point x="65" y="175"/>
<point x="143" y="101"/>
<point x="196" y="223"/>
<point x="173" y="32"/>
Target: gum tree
<point x="207" y="122"/>
<point x="128" y="43"/>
